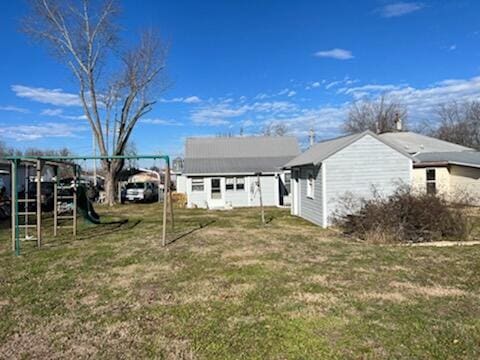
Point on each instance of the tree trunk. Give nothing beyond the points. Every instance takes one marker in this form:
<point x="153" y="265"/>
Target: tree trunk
<point x="112" y="170"/>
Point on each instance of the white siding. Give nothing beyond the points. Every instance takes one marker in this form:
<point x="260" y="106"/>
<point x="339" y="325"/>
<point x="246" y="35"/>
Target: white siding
<point x="311" y="208"/>
<point x="359" y="167"/>
<point x="181" y="184"/>
<point x="197" y="198"/>
<point x="269" y="191"/>
<point x="236" y="198"/>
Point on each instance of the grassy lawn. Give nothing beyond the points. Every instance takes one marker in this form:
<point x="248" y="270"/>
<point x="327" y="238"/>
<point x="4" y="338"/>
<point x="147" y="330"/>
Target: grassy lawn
<point x="233" y="289"/>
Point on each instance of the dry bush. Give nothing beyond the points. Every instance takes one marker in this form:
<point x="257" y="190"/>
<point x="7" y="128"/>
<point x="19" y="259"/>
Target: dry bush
<point x="405" y="216"/>
<point x="180" y="200"/>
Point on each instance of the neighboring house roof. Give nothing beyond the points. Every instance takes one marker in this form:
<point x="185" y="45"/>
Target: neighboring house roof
<point x="236" y="155"/>
<point x="323" y="150"/>
<point x="414" y="143"/>
<point x="462" y="158"/>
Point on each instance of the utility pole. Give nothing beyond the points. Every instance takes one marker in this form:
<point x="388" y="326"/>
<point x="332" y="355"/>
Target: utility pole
<point x="311" y="135"/>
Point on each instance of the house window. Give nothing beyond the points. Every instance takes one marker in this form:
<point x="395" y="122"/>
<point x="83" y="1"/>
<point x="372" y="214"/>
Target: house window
<point x="197" y="185"/>
<point x="310" y="185"/>
<point x="230" y="184"/>
<point x="241" y="183"/>
<point x="288" y="180"/>
<point x="233" y="183"/>
<point x="431" y="181"/>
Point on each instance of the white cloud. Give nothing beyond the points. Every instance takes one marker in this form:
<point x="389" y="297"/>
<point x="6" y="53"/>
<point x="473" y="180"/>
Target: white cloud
<point x="367" y="90"/>
<point x="421" y="102"/>
<point x="14" y="109"/>
<point x="185" y="100"/>
<point x="327" y="119"/>
<point x="60" y="114"/>
<point x="52" y="112"/>
<point x="452" y="47"/>
<point x="332" y="84"/>
<point x="316" y="84"/>
<point x="261" y="96"/>
<point x="399" y="9"/>
<point x="217" y="114"/>
<point x="192" y="100"/>
<point x="283" y="92"/>
<point x="158" y="121"/>
<point x="35" y="132"/>
<point x="223" y="113"/>
<point x="339" y="54"/>
<point x="55" y="97"/>
<point x="291" y="93"/>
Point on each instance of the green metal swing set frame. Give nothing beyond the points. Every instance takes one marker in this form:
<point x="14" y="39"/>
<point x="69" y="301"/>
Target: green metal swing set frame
<point x="40" y="161"/>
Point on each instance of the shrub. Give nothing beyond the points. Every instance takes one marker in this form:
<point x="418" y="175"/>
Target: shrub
<point x="180" y="200"/>
<point x="404" y="216"/>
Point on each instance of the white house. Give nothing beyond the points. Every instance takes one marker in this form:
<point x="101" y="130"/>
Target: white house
<point x="223" y="171"/>
<point x="355" y="164"/>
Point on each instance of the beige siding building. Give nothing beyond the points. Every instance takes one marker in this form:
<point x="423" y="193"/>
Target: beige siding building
<point x="441" y="167"/>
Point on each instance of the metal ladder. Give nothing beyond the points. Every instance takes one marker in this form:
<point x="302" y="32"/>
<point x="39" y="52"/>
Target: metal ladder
<point x="27" y="213"/>
<point x="57" y="216"/>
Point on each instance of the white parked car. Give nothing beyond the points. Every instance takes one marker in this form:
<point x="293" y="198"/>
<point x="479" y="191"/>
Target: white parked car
<point x="141" y="191"/>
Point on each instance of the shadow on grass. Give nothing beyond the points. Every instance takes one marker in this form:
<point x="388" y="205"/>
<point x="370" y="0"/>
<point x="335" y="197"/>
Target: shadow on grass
<point x="108" y="228"/>
<point x="97" y="231"/>
<point x="189" y="232"/>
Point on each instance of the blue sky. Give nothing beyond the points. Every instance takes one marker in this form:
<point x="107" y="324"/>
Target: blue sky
<point x="246" y="63"/>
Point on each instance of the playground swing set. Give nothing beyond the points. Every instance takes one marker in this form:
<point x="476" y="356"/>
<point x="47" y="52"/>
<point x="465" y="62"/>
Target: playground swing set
<point x="75" y="192"/>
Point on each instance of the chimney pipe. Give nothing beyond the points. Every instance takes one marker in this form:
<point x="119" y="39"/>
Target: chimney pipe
<point x="311" y="135"/>
<point x="398" y="122"/>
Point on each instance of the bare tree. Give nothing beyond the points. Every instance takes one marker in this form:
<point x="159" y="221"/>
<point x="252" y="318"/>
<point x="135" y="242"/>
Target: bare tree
<point x="458" y="123"/>
<point x="274" y="129"/>
<point x="84" y="36"/>
<point x="378" y="115"/>
<point x="6" y="150"/>
<point x="131" y="150"/>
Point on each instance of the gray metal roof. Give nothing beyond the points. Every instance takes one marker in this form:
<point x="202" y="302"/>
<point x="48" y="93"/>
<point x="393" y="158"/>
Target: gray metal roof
<point x="323" y="150"/>
<point x="414" y="143"/>
<point x="238" y="155"/>
<point x="465" y="158"/>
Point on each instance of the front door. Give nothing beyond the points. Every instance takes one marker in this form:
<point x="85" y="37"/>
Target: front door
<point x="216" y="190"/>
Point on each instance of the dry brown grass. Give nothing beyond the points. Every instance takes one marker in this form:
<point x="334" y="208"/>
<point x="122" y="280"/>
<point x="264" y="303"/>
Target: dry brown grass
<point x="235" y="289"/>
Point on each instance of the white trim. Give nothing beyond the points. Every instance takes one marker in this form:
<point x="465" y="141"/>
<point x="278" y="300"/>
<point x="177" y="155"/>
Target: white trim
<point x="228" y="174"/>
<point x="324" y="194"/>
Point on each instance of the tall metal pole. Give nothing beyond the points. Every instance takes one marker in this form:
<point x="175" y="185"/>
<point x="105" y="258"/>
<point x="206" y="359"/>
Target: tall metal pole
<point x="17" y="226"/>
<point x="75" y="188"/>
<point x="165" y="209"/>
<point x="13" y="199"/>
<point x="39" y="202"/>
